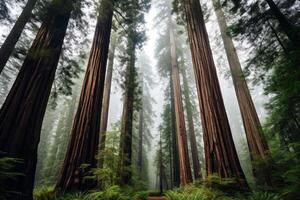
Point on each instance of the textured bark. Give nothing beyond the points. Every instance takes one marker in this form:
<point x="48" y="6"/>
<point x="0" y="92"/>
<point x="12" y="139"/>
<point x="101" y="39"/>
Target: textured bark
<point x="220" y="153"/>
<point x="184" y="164"/>
<point x="106" y="98"/>
<point x="15" y="33"/>
<point x="256" y="141"/>
<point x="22" y="113"/>
<point x="175" y="161"/>
<point x="190" y="120"/>
<point x="84" y="141"/>
<point x="125" y="155"/>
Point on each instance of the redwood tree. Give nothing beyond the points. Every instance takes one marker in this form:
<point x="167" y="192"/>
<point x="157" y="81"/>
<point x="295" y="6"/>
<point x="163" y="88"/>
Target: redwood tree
<point x="220" y="153"/>
<point x="125" y="154"/>
<point x="22" y="113"/>
<point x="134" y="10"/>
<point x="106" y="97"/>
<point x="175" y="159"/>
<point x="84" y="140"/>
<point x="184" y="164"/>
<point x="191" y="128"/>
<point x="256" y="141"/>
<point x="15" y="33"/>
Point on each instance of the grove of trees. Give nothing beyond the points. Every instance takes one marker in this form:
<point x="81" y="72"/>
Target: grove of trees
<point x="124" y="99"/>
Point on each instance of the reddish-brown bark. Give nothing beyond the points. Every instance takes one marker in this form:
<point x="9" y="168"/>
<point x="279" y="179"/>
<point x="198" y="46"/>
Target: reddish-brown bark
<point x="84" y="140"/>
<point x="256" y="141"/>
<point x="184" y="164"/>
<point x="220" y="153"/>
<point x="22" y="113"/>
<point x="106" y="98"/>
<point x="175" y="162"/>
<point x="190" y="120"/>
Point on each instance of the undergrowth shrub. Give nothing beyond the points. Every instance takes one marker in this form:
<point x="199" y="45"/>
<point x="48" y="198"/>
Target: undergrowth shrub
<point x="44" y="193"/>
<point x="193" y="192"/>
<point x="110" y="193"/>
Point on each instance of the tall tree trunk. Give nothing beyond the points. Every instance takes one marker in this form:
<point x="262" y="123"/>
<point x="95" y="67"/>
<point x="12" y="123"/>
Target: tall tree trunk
<point x="192" y="136"/>
<point x="15" y="33"/>
<point x="175" y="161"/>
<point x="22" y="113"/>
<point x="256" y="141"/>
<point x="160" y="166"/>
<point x="141" y="140"/>
<point x="220" y="153"/>
<point x="170" y="149"/>
<point x="184" y="164"/>
<point x="106" y="98"/>
<point x="291" y="30"/>
<point x="84" y="141"/>
<point x="125" y="155"/>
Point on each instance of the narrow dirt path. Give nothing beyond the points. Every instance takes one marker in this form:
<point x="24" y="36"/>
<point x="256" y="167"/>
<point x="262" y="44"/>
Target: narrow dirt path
<point x="156" y="198"/>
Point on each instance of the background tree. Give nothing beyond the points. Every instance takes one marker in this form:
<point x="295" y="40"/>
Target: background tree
<point x="255" y="138"/>
<point x="272" y="62"/>
<point x="146" y="115"/>
<point x="14" y="35"/>
<point x="134" y="12"/>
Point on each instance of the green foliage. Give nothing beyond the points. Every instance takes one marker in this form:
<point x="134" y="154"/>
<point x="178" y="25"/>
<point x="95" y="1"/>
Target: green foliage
<point x="73" y="196"/>
<point x="286" y="170"/>
<point x="192" y="192"/>
<point x="227" y="185"/>
<point x="7" y="173"/>
<point x="263" y="196"/>
<point x="110" y="193"/>
<point x="202" y="192"/>
<point x="44" y="193"/>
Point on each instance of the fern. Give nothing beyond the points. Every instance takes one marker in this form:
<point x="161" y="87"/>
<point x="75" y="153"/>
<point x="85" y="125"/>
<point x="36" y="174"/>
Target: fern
<point x="264" y="196"/>
<point x="44" y="193"/>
